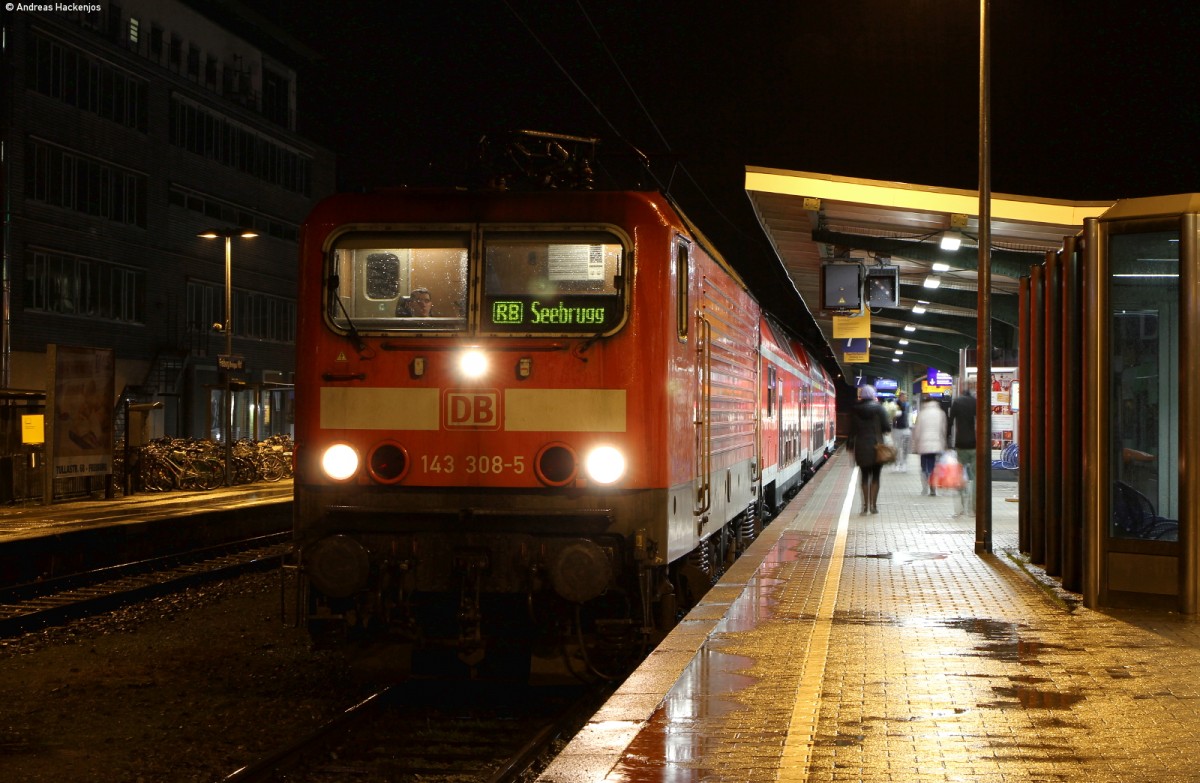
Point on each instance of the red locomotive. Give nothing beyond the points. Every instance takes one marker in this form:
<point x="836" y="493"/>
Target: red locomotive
<point x="533" y="426"/>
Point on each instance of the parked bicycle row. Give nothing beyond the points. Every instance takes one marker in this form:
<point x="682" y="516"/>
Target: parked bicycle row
<point x="166" y="464"/>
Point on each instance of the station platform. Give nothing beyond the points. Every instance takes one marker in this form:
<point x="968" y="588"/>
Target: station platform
<point x="44" y="541"/>
<point x="843" y="647"/>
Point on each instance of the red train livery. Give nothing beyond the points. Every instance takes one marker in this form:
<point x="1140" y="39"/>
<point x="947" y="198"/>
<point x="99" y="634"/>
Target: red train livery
<point x="533" y="426"/>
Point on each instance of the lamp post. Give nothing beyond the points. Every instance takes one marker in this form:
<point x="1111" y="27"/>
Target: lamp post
<point x="227" y="327"/>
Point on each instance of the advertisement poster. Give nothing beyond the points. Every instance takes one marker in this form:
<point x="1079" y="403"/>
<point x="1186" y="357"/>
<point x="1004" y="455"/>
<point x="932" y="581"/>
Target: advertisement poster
<point x="81" y="410"/>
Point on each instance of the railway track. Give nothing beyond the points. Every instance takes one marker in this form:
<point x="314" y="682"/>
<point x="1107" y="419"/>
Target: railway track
<point x="49" y="602"/>
<point x="433" y="731"/>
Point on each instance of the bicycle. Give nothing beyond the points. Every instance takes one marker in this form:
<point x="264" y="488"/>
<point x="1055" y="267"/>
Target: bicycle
<point x="173" y="464"/>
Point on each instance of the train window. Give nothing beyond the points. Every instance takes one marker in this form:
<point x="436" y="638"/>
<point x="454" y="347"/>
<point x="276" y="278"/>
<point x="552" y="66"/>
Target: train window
<point x="771" y="383"/>
<point x="553" y="283"/>
<point x="399" y="282"/>
<point x="682" y="283"/>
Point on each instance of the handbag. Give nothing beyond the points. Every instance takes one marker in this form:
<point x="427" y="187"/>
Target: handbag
<point x="885" y="454"/>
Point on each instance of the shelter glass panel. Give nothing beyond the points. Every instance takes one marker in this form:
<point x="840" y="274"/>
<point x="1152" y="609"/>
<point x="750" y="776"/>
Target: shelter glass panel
<point x="1144" y="346"/>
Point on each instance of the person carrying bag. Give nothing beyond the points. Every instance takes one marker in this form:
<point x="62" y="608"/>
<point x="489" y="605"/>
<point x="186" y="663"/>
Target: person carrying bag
<point x="868" y="425"/>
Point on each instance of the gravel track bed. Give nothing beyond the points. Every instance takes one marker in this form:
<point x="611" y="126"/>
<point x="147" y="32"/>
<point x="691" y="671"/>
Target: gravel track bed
<point x="184" y="688"/>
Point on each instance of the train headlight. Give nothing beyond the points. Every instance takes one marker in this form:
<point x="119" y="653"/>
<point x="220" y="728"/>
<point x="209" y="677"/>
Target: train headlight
<point x="605" y="464"/>
<point x="473" y="364"/>
<point x="339" y="462"/>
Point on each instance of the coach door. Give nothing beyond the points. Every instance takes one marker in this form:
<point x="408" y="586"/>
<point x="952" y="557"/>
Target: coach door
<point x="703" y="470"/>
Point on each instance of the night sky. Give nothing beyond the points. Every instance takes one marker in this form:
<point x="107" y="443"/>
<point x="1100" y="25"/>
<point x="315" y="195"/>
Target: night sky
<point x="1090" y="100"/>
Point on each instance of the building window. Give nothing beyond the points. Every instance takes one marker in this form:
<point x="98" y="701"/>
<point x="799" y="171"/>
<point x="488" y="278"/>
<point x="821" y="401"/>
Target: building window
<point x="74" y="285"/>
<point x="193" y="63"/>
<point x="75" y="78"/>
<point x="255" y="315"/>
<point x="276" y="98"/>
<point x="67" y="179"/>
<point x="234" y="215"/>
<point x="198" y="130"/>
<point x="133" y="32"/>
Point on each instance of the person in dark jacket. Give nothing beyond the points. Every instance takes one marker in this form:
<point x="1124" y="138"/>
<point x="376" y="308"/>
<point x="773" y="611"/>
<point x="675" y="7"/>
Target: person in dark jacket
<point x="962" y="440"/>
<point x="868" y="423"/>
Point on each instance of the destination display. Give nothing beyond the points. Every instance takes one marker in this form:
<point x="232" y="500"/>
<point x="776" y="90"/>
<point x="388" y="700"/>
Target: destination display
<point x="560" y="314"/>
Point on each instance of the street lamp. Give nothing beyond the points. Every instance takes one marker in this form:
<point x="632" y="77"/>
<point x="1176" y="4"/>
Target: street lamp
<point x="227" y="366"/>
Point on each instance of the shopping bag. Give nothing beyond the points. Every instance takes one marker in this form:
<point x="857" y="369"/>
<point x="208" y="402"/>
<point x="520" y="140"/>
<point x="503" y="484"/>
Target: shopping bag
<point x="948" y="472"/>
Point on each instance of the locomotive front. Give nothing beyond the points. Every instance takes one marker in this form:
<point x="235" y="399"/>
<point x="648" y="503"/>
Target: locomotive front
<point x="471" y="467"/>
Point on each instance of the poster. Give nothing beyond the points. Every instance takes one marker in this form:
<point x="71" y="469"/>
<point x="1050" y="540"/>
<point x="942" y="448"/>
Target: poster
<point x="81" y="408"/>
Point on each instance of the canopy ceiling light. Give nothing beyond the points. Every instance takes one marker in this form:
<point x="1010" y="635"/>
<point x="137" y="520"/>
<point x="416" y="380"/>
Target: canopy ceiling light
<point x="931" y="282"/>
<point x="951" y="240"/>
<point x="938" y="266"/>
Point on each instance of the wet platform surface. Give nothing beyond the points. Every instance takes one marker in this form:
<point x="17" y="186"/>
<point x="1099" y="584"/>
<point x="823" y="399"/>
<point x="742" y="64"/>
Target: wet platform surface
<point x="844" y="647"/>
<point x="32" y="520"/>
<point x="45" y="541"/>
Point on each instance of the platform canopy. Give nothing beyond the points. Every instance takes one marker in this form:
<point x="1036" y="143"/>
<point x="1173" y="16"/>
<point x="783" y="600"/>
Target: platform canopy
<point x="814" y="219"/>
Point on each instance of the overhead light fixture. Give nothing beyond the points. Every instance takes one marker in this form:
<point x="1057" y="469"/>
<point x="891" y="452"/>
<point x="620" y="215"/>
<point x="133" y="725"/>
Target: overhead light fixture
<point x="940" y="267"/>
<point x="910" y="328"/>
<point x="931" y="282"/>
<point x="951" y="240"/>
<point x="899" y="352"/>
<point x="894" y="359"/>
<point x="903" y="341"/>
<point x="918" y="309"/>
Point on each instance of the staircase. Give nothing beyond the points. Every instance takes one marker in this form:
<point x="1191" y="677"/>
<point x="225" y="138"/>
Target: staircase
<point x="164" y="379"/>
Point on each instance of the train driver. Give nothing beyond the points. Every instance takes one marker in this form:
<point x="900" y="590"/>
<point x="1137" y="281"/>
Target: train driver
<point x="419" y="304"/>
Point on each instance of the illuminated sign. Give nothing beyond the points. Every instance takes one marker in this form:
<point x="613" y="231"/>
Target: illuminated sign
<point x="508" y="312"/>
<point x="569" y="314"/>
<point x="939" y="378"/>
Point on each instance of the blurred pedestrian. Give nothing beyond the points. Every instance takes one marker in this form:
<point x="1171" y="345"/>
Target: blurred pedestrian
<point x="962" y="438"/>
<point x="902" y="433"/>
<point x="929" y="440"/>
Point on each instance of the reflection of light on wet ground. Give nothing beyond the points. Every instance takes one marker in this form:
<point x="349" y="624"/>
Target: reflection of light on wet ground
<point x="1036" y="698"/>
<point x="908" y="557"/>
<point x="675" y="736"/>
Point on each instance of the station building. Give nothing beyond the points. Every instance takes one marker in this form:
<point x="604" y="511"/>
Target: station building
<point x="129" y="128"/>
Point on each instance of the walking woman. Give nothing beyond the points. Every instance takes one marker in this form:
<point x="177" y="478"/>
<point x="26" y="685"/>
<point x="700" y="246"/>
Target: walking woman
<point x="868" y="422"/>
<point x="929" y="440"/>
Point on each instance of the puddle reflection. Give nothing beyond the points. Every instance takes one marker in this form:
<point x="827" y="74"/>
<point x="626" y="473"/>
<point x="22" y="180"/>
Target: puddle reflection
<point x="676" y="739"/>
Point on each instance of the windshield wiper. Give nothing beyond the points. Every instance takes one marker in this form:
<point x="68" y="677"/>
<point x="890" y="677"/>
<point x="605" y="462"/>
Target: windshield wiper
<point x="352" y="331"/>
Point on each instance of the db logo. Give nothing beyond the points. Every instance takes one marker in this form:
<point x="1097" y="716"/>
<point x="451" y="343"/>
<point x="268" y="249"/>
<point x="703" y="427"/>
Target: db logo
<point x="472" y="410"/>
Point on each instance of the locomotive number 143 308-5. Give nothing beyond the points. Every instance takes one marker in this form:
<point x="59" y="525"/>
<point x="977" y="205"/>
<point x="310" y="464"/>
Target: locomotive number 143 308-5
<point x="471" y="464"/>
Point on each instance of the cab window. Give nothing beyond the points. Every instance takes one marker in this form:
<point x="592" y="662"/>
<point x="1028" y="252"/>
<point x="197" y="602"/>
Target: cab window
<point x="552" y="283"/>
<point x="397" y="282"/>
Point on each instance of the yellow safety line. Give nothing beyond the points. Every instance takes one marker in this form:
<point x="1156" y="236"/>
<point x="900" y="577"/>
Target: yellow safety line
<point x="797" y="751"/>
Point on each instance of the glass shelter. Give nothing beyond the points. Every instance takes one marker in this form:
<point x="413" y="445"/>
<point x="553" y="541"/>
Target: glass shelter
<point x="1110" y="457"/>
<point x="1141" y="404"/>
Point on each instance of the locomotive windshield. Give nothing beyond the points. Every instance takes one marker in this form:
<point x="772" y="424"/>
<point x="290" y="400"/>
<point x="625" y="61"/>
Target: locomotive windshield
<point x="563" y="282"/>
<point x="391" y="282"/>
<point x="545" y="282"/>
